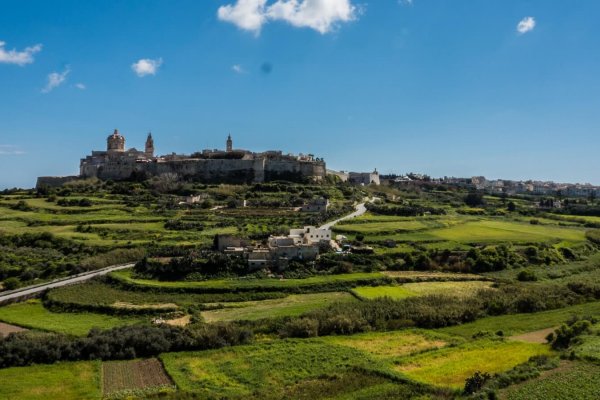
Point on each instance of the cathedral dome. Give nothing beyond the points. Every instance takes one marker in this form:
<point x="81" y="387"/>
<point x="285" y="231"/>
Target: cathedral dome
<point x="115" y="142"/>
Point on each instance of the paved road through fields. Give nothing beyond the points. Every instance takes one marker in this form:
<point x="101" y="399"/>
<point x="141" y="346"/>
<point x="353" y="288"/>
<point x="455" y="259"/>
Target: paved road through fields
<point x="15" y="295"/>
<point x="360" y="209"/>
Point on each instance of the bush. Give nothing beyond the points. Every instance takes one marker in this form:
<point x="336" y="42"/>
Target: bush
<point x="301" y="327"/>
<point x="564" y="335"/>
<point x="526" y="276"/>
<point x="11" y="283"/>
<point x="117" y="344"/>
<point x="475" y="383"/>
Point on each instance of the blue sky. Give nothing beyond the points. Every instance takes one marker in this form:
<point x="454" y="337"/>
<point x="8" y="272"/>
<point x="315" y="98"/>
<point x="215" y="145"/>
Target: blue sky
<point x="501" y="88"/>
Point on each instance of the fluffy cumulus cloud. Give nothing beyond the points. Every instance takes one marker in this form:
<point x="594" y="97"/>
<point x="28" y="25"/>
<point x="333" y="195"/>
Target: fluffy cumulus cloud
<point x="80" y="86"/>
<point x="246" y="14"/>
<point x="18" y="57"/>
<point x="146" y="66"/>
<point x="525" y="25"/>
<point x="55" y="79"/>
<point x="320" y="15"/>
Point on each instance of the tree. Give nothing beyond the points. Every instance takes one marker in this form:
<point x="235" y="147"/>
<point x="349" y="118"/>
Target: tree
<point x="511" y="206"/>
<point x="474" y="199"/>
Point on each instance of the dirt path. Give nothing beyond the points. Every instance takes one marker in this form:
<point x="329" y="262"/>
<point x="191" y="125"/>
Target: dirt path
<point x="6" y="329"/>
<point x="534" y="337"/>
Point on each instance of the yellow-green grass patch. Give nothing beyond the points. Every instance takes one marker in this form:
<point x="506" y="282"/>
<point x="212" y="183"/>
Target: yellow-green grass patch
<point x="461" y="289"/>
<point x="386" y="345"/>
<point x="504" y="231"/>
<point x="450" y="367"/>
<point x="65" y="381"/>
<point x="263" y="370"/>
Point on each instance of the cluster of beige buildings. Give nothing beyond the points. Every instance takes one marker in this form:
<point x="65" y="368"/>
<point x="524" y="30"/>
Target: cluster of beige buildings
<point x="299" y="245"/>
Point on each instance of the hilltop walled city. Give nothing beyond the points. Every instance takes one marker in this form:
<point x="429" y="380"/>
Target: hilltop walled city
<point x="231" y="165"/>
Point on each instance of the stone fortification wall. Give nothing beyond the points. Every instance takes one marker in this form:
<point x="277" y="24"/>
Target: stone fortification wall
<point x="54" y="181"/>
<point x="210" y="170"/>
<point x="294" y="170"/>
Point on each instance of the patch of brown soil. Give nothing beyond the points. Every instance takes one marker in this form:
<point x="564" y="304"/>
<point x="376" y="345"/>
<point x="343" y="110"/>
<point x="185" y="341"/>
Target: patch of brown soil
<point x="6" y="329"/>
<point x="534" y="337"/>
<point x="183" y="321"/>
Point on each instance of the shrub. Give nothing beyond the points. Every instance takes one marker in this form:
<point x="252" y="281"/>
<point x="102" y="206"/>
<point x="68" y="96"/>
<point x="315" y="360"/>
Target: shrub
<point x="564" y="335"/>
<point x="301" y="327"/>
<point x="11" y="283"/>
<point x="475" y="383"/>
<point x="526" y="276"/>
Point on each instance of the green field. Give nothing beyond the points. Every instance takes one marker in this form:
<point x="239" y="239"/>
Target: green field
<point x="449" y="367"/>
<point x="32" y="314"/>
<point x="458" y="230"/>
<point x="521" y="323"/>
<point x="282" y="369"/>
<point x="397" y="292"/>
<point x="65" y="381"/>
<point x="94" y="294"/>
<point x="292" y="305"/>
<point x="572" y="380"/>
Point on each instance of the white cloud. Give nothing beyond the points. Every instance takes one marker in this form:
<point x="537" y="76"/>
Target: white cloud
<point x="525" y="25"/>
<point x="10" y="150"/>
<point x="18" y="57"/>
<point x="146" y="66"/>
<point x="406" y="2"/>
<point x="238" y="69"/>
<point x="55" y="79"/>
<point x="245" y="14"/>
<point x="320" y="15"/>
<point x="80" y="86"/>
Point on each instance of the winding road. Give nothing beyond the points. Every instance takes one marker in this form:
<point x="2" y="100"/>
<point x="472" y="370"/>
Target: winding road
<point x="360" y="209"/>
<point x="31" y="291"/>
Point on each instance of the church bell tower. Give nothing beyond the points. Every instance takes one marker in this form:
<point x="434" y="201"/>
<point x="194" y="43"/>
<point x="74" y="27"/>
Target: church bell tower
<point x="149" y="149"/>
<point x="229" y="145"/>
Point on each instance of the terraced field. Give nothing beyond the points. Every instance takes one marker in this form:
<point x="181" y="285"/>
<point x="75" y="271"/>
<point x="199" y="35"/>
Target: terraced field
<point x="219" y="285"/>
<point x="449" y="367"/>
<point x="32" y="314"/>
<point x="139" y="377"/>
<point x="522" y="323"/>
<point x="459" y="230"/>
<point x="65" y="381"/>
<point x="292" y="305"/>
<point x="458" y="289"/>
<point x="572" y="380"/>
